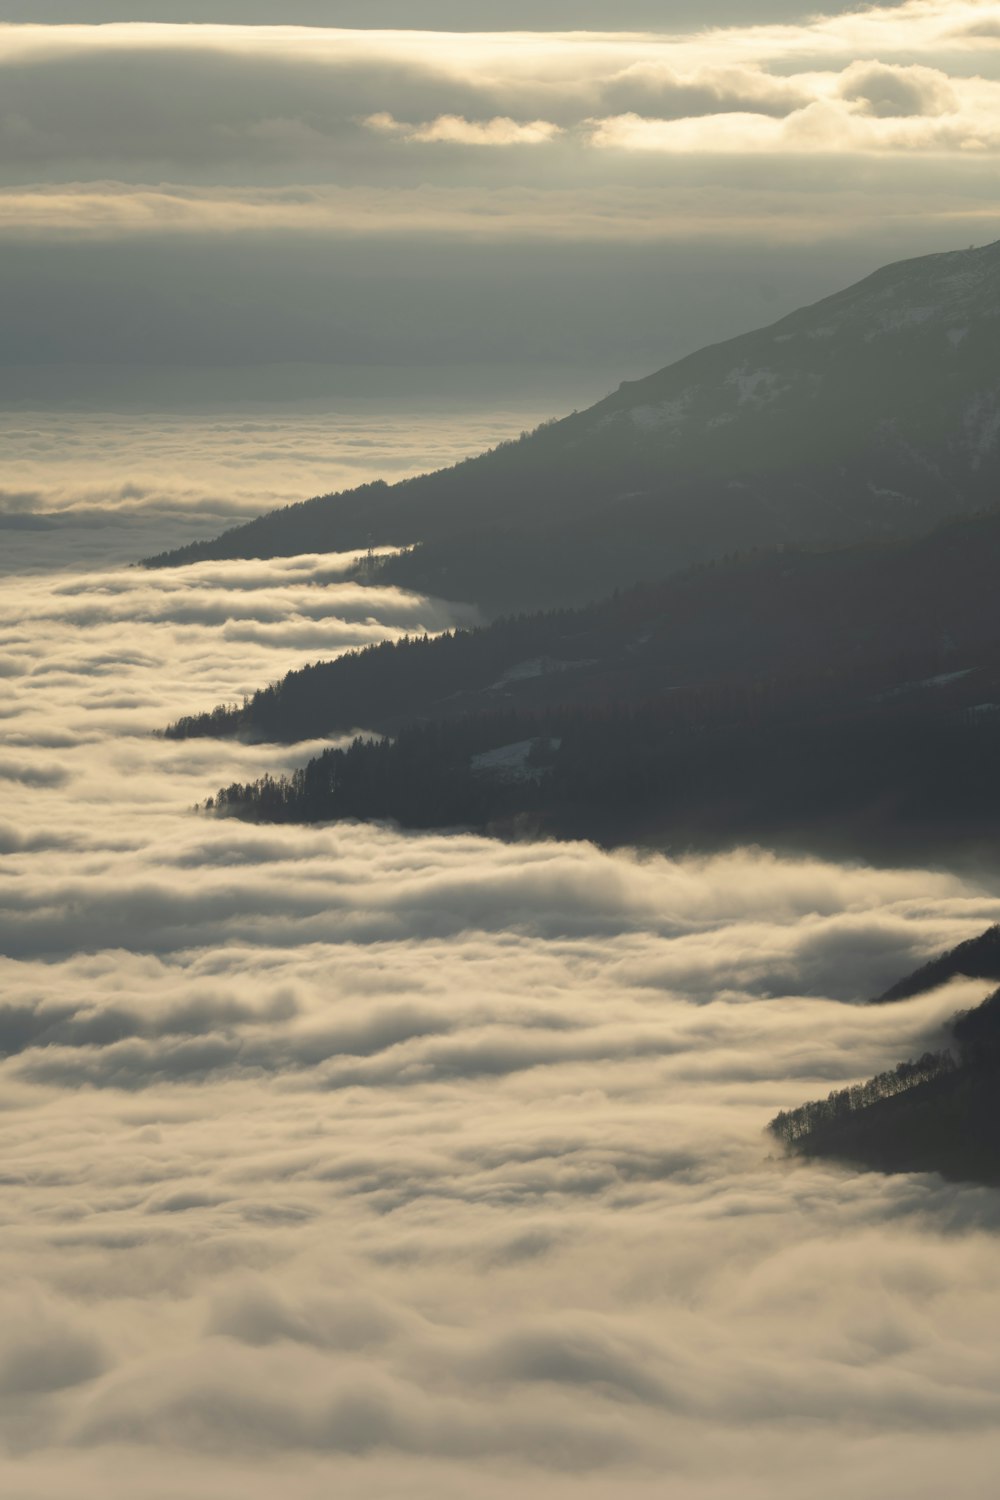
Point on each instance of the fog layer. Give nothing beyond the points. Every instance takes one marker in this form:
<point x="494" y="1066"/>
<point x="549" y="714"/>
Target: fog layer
<point x="348" y="1161"/>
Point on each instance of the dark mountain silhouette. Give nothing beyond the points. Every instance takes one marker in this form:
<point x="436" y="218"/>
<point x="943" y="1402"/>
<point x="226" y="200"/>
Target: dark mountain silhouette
<point x="909" y="612"/>
<point x="940" y="1113"/>
<point x="874" y="412"/>
<point x="979" y="958"/>
<point x="844" y="764"/>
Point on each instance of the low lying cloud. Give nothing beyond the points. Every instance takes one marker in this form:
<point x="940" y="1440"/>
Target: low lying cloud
<point x="418" y="1163"/>
<point x="117" y="486"/>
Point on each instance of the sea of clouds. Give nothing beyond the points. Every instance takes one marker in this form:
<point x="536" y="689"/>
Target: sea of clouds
<point x="345" y="1160"/>
<point x="91" y="485"/>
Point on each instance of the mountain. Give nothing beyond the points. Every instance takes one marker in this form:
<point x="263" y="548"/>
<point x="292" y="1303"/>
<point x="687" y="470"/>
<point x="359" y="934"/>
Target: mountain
<point x="905" y="612"/>
<point x="844" y="702"/>
<point x="875" y="412"/>
<point x="856" y="764"/>
<point x="939" y="1113"/>
<point x="979" y="958"/>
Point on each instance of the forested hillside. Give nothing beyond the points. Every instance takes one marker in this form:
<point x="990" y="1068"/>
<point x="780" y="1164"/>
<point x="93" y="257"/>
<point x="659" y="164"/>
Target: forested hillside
<point x="979" y="958"/>
<point x="940" y="1113"/>
<point x="837" y="764"/>
<point x="904" y="612"/>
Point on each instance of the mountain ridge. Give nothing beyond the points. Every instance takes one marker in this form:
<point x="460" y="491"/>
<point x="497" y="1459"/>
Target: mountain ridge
<point x="871" y="412"/>
<point x="924" y="605"/>
<point x="936" y="1113"/>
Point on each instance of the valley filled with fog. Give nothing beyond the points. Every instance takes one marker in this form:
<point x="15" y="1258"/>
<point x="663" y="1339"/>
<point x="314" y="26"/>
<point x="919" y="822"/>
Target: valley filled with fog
<point x="340" y="1158"/>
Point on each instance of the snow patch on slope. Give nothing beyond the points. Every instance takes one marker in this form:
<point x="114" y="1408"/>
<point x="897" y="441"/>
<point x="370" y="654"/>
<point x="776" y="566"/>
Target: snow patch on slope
<point x="512" y="762"/>
<point x="755" y="387"/>
<point x="665" y="415"/>
<point x="982" y="426"/>
<point x="538" y="666"/>
<point x="896" y="318"/>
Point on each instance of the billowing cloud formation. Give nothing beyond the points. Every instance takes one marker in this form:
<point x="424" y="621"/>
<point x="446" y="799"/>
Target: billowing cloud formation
<point x="898" y="93"/>
<point x="333" y="105"/>
<point x="421" y="1164"/>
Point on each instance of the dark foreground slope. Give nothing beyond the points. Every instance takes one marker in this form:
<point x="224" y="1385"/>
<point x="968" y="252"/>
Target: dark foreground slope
<point x="847" y="765"/>
<point x="871" y="413"/>
<point x="922" y="608"/>
<point x="938" y="1114"/>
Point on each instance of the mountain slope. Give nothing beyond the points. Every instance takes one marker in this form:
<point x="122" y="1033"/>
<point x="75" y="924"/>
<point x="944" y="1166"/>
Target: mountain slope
<point x="875" y="411"/>
<point x="921" y="608"/>
<point x="940" y="1113"/>
<point x="978" y="958"/>
<point x="832" y="765"/>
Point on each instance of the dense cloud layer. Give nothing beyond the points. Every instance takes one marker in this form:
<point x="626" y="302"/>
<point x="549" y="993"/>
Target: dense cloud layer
<point x="368" y="106"/>
<point x="385" y="1164"/>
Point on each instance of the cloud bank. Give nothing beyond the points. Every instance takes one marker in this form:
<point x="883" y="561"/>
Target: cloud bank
<point x="121" y="482"/>
<point x="419" y="1164"/>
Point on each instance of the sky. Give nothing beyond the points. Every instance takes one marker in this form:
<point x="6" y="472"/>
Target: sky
<point x="349" y="200"/>
<point x="421" y="15"/>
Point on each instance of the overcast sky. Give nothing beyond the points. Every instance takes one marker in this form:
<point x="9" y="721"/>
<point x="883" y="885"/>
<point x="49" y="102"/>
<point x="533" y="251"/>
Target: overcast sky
<point x="454" y="15"/>
<point x="235" y="193"/>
